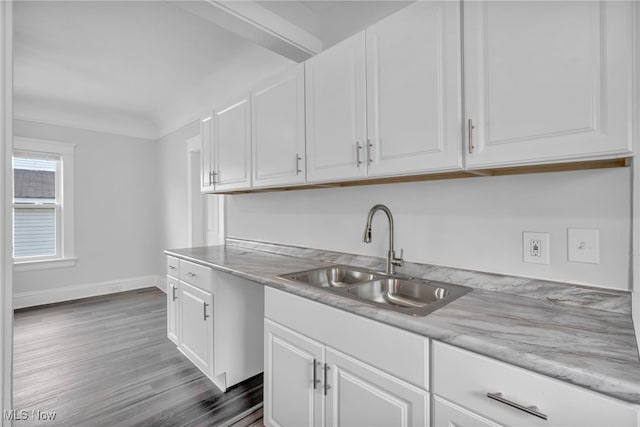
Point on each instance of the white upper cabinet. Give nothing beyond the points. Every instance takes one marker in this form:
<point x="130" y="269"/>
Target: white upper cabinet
<point x="232" y="142"/>
<point x="387" y="102"/>
<point x="278" y="138"/>
<point x="336" y="112"/>
<point x="547" y="81"/>
<point x="206" y="154"/>
<point x="414" y="90"/>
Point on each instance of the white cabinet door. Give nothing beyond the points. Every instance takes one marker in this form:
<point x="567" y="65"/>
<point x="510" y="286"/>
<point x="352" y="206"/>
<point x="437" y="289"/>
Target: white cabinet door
<point x="196" y="326"/>
<point x="546" y="81"/>
<point x="336" y="112"/>
<point x="292" y="362"/>
<point x="206" y="154"/>
<point x="278" y="139"/>
<point x="232" y="139"/>
<point x="446" y="414"/>
<point x="414" y="90"/>
<point x="172" y="309"/>
<point x="360" y="395"/>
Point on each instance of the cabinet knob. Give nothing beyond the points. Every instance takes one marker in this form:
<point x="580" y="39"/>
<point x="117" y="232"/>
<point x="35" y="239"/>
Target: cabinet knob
<point x="298" y="158"/>
<point x="326" y="375"/>
<point x="316" y="381"/>
<point x="204" y="314"/>
<point x="470" y="128"/>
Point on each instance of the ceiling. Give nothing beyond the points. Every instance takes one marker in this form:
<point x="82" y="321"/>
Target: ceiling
<point x="146" y="68"/>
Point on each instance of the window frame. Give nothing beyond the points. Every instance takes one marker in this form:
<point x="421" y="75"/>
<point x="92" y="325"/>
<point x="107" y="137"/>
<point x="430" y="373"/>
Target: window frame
<point x="64" y="206"/>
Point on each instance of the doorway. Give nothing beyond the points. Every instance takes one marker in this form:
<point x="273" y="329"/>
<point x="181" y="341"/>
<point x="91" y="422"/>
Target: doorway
<point x="205" y="211"/>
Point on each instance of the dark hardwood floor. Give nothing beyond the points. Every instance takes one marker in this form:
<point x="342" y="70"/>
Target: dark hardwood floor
<point x="106" y="361"/>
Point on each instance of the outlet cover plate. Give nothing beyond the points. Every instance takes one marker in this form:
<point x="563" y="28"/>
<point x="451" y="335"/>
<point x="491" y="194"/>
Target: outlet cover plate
<point x="583" y="245"/>
<point x="535" y="247"/>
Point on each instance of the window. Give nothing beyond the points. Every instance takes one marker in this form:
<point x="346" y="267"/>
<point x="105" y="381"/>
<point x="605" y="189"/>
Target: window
<point x="42" y="204"/>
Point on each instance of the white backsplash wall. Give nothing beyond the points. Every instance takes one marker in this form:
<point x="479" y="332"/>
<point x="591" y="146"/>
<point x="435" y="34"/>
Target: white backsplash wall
<point x="473" y="223"/>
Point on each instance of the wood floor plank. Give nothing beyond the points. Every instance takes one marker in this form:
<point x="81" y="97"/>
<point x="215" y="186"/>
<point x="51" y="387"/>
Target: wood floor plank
<point x="106" y="361"/>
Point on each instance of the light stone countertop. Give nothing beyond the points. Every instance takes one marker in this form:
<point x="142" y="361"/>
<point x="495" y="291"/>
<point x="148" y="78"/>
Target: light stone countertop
<point x="573" y="342"/>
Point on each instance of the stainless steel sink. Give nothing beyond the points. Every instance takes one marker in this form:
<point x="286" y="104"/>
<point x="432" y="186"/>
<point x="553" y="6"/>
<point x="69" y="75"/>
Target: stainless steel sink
<point x="415" y="297"/>
<point x="411" y="296"/>
<point x="337" y="276"/>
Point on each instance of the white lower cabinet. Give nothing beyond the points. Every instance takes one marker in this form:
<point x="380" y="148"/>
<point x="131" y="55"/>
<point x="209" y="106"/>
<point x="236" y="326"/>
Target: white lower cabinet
<point x="506" y="395"/>
<point x="446" y="414"/>
<point x="328" y="367"/>
<point x="172" y="309"/>
<point x="332" y="368"/>
<point x="196" y="326"/>
<point x="215" y="319"/>
<point x="361" y="395"/>
<point x="293" y="365"/>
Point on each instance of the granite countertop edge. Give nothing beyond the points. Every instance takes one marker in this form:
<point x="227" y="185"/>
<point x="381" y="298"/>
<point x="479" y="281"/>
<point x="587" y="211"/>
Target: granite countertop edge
<point x="614" y="381"/>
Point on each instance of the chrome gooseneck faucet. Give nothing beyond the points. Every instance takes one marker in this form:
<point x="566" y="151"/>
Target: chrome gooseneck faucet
<point x="392" y="261"/>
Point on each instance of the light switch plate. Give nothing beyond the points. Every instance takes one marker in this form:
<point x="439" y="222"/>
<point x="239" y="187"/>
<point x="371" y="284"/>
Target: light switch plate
<point x="535" y="247"/>
<point x="583" y="245"/>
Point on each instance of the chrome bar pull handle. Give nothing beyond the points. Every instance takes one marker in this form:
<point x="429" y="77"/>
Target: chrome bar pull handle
<point x="171" y="267"/>
<point x="369" y="145"/>
<point x="316" y="381"/>
<point x="190" y="274"/>
<point x="326" y="374"/>
<point x="358" y="148"/>
<point x="532" y="410"/>
<point x="470" y="128"/>
<point x="173" y="293"/>
<point x="298" y="158"/>
<point x="213" y="177"/>
<point x="204" y="308"/>
<point x="210" y="177"/>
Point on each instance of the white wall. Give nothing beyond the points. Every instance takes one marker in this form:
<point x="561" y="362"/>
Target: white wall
<point x="636" y="190"/>
<point x="172" y="157"/>
<point x="473" y="223"/>
<point x="6" y="148"/>
<point x="116" y="209"/>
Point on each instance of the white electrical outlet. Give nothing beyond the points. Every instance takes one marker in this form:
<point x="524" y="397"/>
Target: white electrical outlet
<point x="583" y="245"/>
<point x="535" y="247"/>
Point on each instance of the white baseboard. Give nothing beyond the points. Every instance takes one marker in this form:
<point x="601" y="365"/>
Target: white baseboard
<point x="68" y="293"/>
<point x="162" y="283"/>
<point x="635" y="305"/>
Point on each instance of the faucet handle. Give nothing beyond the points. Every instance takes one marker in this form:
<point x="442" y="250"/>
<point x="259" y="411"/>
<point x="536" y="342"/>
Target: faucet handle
<point x="398" y="261"/>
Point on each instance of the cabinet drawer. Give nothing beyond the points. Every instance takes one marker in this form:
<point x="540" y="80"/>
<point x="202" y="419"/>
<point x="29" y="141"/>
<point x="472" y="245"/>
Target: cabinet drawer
<point x="465" y="378"/>
<point x="400" y="353"/>
<point x="172" y="266"/>
<point x="446" y="414"/>
<point x="196" y="275"/>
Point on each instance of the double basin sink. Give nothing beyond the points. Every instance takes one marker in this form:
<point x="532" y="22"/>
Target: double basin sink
<point x="411" y="296"/>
